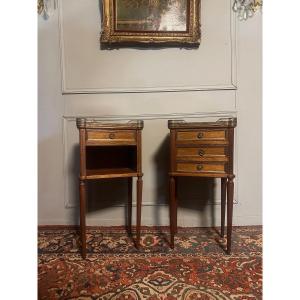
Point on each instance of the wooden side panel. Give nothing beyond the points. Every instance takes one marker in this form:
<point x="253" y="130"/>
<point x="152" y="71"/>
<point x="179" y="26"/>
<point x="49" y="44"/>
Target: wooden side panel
<point x="139" y="150"/>
<point x="82" y="152"/>
<point x="231" y="140"/>
<point x="172" y="150"/>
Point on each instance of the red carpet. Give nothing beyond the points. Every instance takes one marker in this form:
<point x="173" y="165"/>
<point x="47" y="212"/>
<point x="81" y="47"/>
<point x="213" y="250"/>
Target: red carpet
<point x="197" y="268"/>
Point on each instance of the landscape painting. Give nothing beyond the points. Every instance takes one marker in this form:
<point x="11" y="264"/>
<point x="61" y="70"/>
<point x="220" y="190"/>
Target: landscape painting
<point x="151" y="15"/>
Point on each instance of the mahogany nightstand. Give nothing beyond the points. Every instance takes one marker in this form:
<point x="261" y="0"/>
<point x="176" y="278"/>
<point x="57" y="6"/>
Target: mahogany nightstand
<point x="203" y="149"/>
<point x="110" y="150"/>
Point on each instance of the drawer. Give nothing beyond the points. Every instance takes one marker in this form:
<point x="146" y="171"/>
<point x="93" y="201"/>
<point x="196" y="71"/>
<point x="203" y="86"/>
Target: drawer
<point x="195" y="167"/>
<point x="111" y="137"/>
<point x="202" y="154"/>
<point x="201" y="137"/>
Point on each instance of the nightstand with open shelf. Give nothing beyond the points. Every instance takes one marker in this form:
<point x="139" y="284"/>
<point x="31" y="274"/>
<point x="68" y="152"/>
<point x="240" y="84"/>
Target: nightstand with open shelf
<point x="107" y="151"/>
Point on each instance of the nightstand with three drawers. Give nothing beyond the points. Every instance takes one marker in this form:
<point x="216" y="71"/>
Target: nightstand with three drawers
<point x="202" y="149"/>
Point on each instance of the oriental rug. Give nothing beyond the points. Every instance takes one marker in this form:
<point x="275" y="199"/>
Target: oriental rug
<point x="114" y="269"/>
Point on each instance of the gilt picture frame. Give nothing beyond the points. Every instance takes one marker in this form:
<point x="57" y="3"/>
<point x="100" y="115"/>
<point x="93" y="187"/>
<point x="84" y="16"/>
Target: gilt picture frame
<point x="151" y="22"/>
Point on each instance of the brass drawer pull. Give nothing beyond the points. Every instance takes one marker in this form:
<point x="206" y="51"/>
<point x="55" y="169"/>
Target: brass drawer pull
<point x="201" y="152"/>
<point x="112" y="136"/>
<point x="200" y="135"/>
<point x="199" y="167"/>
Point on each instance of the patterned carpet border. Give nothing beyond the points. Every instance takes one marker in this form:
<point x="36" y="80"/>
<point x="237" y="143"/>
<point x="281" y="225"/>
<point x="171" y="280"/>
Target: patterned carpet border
<point x="197" y="268"/>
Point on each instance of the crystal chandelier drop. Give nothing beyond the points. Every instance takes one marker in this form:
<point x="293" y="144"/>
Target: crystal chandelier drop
<point x="246" y="8"/>
<point x="46" y="7"/>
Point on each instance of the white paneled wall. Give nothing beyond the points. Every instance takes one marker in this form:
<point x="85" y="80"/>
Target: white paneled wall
<point x="83" y="65"/>
<point x="77" y="78"/>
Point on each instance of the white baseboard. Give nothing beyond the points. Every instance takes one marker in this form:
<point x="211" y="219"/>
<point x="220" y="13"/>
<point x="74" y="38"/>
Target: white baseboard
<point x="188" y="222"/>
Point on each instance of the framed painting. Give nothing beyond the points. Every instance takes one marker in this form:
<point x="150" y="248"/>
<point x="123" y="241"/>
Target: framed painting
<point x="171" y="22"/>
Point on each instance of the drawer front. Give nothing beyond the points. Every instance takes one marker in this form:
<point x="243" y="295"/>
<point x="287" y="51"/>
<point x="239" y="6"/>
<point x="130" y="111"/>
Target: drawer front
<point x="111" y="137"/>
<point x="200" y="167"/>
<point x="202" y="154"/>
<point x="201" y="137"/>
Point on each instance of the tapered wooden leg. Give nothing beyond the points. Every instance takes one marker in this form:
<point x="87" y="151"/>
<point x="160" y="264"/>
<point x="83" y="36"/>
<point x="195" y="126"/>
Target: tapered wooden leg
<point x="82" y="217"/>
<point x="129" y="206"/>
<point x="223" y="204"/>
<point x="176" y="205"/>
<point x="139" y="210"/>
<point x="172" y="209"/>
<point x="230" y="187"/>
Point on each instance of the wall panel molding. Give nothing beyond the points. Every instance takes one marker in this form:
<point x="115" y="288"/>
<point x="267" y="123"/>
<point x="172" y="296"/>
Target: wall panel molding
<point x="232" y="85"/>
<point x="67" y="91"/>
